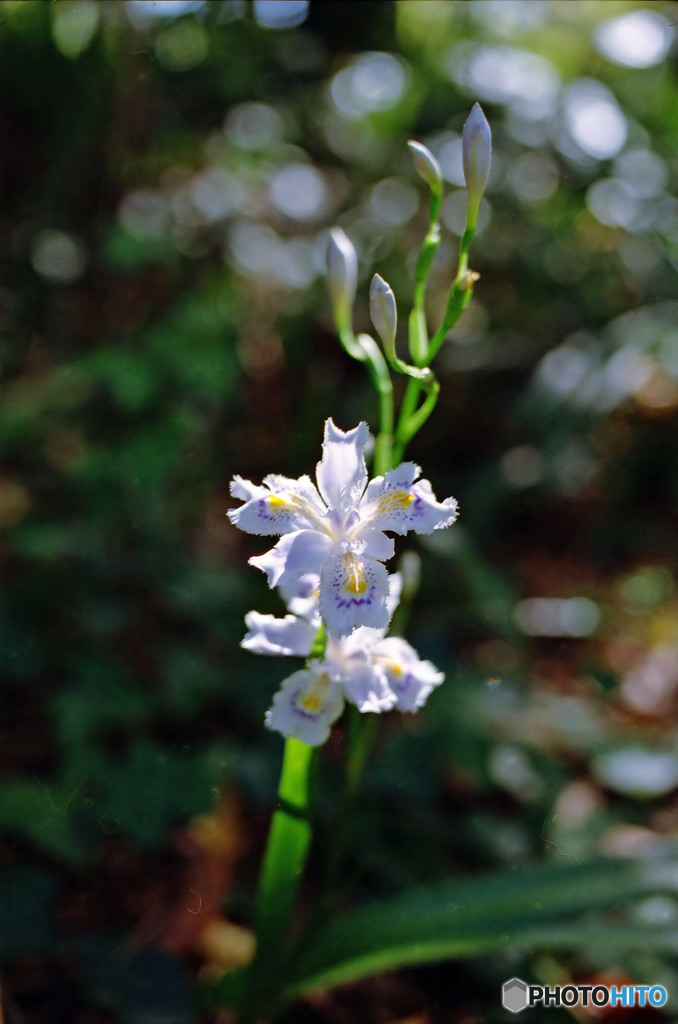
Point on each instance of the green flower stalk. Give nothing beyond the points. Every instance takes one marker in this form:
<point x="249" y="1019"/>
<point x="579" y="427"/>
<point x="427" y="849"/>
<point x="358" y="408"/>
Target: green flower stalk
<point x="428" y="168"/>
<point x="328" y="563"/>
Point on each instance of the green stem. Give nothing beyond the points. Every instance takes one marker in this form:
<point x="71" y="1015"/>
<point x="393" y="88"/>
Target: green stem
<point x="287" y="848"/>
<point x="418" y="335"/>
<point x="289" y="839"/>
<point x="410" y="401"/>
<point x="411" y="418"/>
<point x="415" y="422"/>
<point x="459" y="297"/>
<point x="365" y="350"/>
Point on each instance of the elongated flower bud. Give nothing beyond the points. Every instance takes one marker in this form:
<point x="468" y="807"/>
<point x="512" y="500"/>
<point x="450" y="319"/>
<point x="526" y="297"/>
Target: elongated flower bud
<point x="342" y="276"/>
<point x="384" y="313"/>
<point x="425" y="164"/>
<point x="476" y="147"/>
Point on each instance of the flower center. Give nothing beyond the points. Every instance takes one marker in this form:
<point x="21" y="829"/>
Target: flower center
<point x="314" y="699"/>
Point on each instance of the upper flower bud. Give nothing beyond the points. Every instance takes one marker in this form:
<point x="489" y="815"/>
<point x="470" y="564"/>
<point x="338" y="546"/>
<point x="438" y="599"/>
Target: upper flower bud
<point x="425" y="164"/>
<point x="342" y="275"/>
<point x="384" y="313"/>
<point x="476" y="147"/>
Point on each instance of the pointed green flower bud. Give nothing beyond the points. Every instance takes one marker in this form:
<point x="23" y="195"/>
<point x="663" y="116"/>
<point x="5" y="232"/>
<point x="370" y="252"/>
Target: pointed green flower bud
<point x="425" y="164"/>
<point x="384" y="314"/>
<point x="342" y="276"/>
<point x="476" y="148"/>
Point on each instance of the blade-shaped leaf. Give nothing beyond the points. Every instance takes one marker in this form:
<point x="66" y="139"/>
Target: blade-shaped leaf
<point x="526" y="908"/>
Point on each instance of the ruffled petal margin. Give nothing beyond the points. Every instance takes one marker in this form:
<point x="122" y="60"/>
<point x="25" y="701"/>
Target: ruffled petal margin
<point x="399" y="501"/>
<point x="341" y="473"/>
<point x="291" y="636"/>
<point x="306" y="705"/>
<point x="410" y="679"/>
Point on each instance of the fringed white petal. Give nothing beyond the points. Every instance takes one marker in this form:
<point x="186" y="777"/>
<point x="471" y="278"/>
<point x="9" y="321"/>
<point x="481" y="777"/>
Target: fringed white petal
<point x="291" y="636"/>
<point x="400" y="502"/>
<point x="341" y="473"/>
<point x="353" y="592"/>
<point x="306" y="705"/>
<point x="410" y="679"/>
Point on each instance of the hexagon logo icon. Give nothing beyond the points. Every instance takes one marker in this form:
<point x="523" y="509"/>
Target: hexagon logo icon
<point x="514" y="995"/>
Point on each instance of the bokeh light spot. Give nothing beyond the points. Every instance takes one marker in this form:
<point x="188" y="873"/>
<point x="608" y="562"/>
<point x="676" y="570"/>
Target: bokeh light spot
<point x="593" y="119"/>
<point x="143" y="214"/>
<point x="522" y="466"/>
<point x="299" y="191"/>
<point x="142" y="12"/>
<point x="254" y="126"/>
<point x="534" y="178"/>
<point x="182" y="46"/>
<point x="527" y="82"/>
<point x="638" y="39"/>
<point x="58" y="257"/>
<point x="643" y="172"/>
<point x="74" y="24"/>
<point x="555" y="616"/>
<point x="638" y="772"/>
<point x="611" y="201"/>
<point x="280" y="13"/>
<point x="373" y="81"/>
<point x="394" y="201"/>
<point x="450" y="159"/>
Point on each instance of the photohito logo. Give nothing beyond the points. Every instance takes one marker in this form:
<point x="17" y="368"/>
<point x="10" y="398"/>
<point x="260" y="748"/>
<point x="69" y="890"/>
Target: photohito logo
<point x="516" y="995"/>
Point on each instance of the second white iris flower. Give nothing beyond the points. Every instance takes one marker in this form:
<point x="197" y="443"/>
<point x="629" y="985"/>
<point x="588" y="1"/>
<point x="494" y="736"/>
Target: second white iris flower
<point x="374" y="672"/>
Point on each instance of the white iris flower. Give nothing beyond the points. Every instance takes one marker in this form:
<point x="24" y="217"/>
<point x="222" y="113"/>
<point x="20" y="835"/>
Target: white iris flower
<point x="374" y="672"/>
<point x="336" y="530"/>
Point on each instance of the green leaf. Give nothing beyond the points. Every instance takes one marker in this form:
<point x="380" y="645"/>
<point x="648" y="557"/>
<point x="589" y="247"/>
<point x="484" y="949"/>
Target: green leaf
<point x="130" y="375"/>
<point x="34" y="810"/>
<point x="535" y="907"/>
<point x="150" y="790"/>
<point x="101" y="697"/>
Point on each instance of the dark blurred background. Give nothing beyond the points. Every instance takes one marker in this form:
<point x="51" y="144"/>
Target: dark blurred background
<point x="169" y="174"/>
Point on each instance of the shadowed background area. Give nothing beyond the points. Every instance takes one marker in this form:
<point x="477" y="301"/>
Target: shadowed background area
<point x="169" y="173"/>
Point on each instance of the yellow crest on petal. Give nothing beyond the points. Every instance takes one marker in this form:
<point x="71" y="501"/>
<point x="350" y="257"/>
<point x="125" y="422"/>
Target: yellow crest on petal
<point x="315" y="697"/>
<point x="355" y="580"/>
<point x="395" y="501"/>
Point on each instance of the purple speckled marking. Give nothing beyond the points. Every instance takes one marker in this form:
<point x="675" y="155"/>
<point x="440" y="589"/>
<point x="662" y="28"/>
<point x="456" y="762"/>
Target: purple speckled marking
<point x="355" y="602"/>
<point x="268" y="516"/>
<point x="415" y="511"/>
<point x="338" y="582"/>
<point x="403" y="686"/>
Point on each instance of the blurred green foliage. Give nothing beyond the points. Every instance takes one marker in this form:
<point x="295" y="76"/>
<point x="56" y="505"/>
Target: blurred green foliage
<point x="169" y="173"/>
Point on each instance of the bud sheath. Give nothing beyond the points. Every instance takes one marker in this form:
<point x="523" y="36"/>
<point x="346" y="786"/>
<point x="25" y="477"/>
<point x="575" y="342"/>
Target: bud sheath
<point x="342" y="276"/>
<point x="384" y="314"/>
<point x="476" y="142"/>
